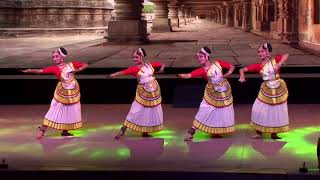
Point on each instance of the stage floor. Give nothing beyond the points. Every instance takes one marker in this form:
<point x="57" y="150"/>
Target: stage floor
<point x="93" y="147"/>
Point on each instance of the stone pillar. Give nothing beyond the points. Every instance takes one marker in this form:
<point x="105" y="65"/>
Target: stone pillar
<point x="188" y="15"/>
<point x="228" y="15"/>
<point x="235" y="17"/>
<point x="274" y="23"/>
<point x="211" y="16"/>
<point x="128" y="25"/>
<point x="275" y="2"/>
<point x="288" y="21"/>
<point x="223" y="15"/>
<point x="214" y="16"/>
<point x="220" y="15"/>
<point x="161" y="21"/>
<point x="173" y="14"/>
<point x="185" y="16"/>
<point x="180" y="16"/>
<point x="246" y="15"/>
<point x="193" y="17"/>
<point x="231" y="15"/>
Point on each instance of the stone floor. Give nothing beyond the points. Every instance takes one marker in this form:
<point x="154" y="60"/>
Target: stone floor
<point x="175" y="49"/>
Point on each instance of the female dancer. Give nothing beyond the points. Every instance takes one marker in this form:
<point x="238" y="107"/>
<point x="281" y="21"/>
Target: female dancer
<point x="216" y="113"/>
<point x="65" y="109"/>
<point x="270" y="109"/>
<point x="145" y="114"/>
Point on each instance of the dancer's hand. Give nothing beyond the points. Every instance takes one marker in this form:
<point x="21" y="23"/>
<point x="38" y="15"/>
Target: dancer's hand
<point x="242" y="79"/>
<point x="183" y="76"/>
<point x="277" y="67"/>
<point x="161" y="70"/>
<point x="77" y="70"/>
<point x="110" y="76"/>
<point x="26" y="71"/>
<point x="226" y="75"/>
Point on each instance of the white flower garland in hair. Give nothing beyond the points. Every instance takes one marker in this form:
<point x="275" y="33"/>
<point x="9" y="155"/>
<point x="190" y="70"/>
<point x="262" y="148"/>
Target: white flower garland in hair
<point x="61" y="53"/>
<point x="140" y="52"/>
<point x="204" y="51"/>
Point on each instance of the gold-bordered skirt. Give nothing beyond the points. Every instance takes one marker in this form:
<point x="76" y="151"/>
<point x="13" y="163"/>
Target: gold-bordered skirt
<point x="65" y="109"/>
<point x="216" y="113"/>
<point x="270" y="110"/>
<point x="146" y="114"/>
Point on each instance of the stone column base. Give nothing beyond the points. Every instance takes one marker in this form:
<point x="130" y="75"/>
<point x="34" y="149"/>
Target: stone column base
<point x="161" y="25"/>
<point x="174" y="21"/>
<point x="290" y="38"/>
<point x="180" y="21"/>
<point x="127" y="31"/>
<point x="246" y="28"/>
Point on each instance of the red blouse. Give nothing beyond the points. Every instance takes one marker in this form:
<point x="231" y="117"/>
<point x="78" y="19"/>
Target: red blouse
<point x="56" y="70"/>
<point x="203" y="73"/>
<point x="258" y="66"/>
<point x="133" y="70"/>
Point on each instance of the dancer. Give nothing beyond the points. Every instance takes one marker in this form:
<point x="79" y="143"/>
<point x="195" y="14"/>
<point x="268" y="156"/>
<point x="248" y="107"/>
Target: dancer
<point x="65" y="109"/>
<point x="270" y="109"/>
<point x="216" y="113"/>
<point x="145" y="115"/>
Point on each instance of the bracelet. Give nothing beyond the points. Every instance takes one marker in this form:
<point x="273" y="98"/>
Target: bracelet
<point x="29" y="70"/>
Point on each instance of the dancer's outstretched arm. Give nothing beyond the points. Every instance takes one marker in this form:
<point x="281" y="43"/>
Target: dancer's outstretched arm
<point x="284" y="58"/>
<point x="116" y="74"/>
<point x="230" y="70"/>
<point x="33" y="71"/>
<point x="83" y="67"/>
<point x="184" y="76"/>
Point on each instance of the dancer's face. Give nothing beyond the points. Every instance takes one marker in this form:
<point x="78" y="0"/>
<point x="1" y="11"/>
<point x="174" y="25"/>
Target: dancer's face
<point x="137" y="58"/>
<point x="202" y="58"/>
<point x="263" y="53"/>
<point x="57" y="58"/>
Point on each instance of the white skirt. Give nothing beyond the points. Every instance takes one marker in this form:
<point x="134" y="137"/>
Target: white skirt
<point x="144" y="119"/>
<point x="270" y="117"/>
<point x="63" y="116"/>
<point x="214" y="120"/>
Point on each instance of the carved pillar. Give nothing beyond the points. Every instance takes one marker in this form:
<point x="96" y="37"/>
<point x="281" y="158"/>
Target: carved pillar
<point x="288" y="21"/>
<point x="274" y="23"/>
<point x="236" y="14"/>
<point x="180" y="16"/>
<point x="246" y="5"/>
<point x="185" y="16"/>
<point x="223" y="15"/>
<point x="173" y="13"/>
<point x="228" y="15"/>
<point x="189" y="15"/>
<point x="161" y="22"/>
<point x="128" y="25"/>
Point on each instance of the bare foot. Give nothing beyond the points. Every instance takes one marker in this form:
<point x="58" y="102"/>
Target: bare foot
<point x="275" y="136"/>
<point x="40" y="134"/>
<point x="118" y="136"/>
<point x="257" y="136"/>
<point x="66" y="133"/>
<point x="216" y="136"/>
<point x="189" y="137"/>
<point x="145" y="134"/>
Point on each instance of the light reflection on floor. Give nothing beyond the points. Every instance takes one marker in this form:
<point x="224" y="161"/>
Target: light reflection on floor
<point x="93" y="146"/>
